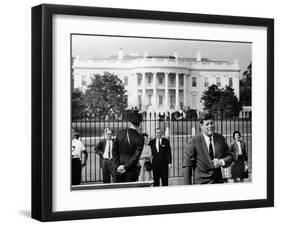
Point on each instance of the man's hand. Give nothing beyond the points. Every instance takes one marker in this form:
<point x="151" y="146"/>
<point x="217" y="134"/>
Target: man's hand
<point x="246" y="165"/>
<point x="170" y="169"/>
<point x="217" y="163"/>
<point x="121" y="169"/>
<point x="83" y="164"/>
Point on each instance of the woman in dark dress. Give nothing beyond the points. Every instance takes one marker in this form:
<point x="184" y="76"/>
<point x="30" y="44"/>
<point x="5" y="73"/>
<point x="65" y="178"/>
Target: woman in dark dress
<point x="240" y="158"/>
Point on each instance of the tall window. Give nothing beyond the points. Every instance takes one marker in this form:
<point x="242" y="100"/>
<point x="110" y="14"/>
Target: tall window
<point x="194" y="82"/>
<point x="160" y="80"/>
<point x="139" y="101"/>
<point x="218" y="82"/>
<point x="139" y="78"/>
<point x="125" y="80"/>
<point x="149" y="79"/>
<point x="172" y="79"/>
<point x="206" y="82"/>
<point x="172" y="101"/>
<point x="126" y="99"/>
<point x="84" y="80"/>
<point x="230" y="82"/>
<point x="160" y="100"/>
<point x="149" y="99"/>
<point x="181" y="105"/>
<point x="181" y="78"/>
<point x="194" y="102"/>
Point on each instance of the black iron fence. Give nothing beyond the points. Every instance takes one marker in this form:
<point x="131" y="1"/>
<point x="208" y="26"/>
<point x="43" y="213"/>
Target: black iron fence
<point x="177" y="130"/>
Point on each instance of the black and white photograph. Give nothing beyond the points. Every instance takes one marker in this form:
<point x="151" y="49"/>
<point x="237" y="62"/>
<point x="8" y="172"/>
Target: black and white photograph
<point x="137" y="113"/>
<point x="149" y="112"/>
<point x="140" y="112"/>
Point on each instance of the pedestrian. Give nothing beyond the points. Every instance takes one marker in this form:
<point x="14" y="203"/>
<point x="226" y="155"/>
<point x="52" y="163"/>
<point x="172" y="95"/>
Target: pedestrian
<point x="161" y="159"/>
<point x="79" y="158"/>
<point x="205" y="154"/>
<point x="127" y="149"/>
<point x="240" y="157"/>
<point x="104" y="150"/>
<point x="226" y="174"/>
<point x="145" y="160"/>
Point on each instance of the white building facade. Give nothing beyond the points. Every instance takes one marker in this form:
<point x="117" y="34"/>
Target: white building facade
<point x="161" y="83"/>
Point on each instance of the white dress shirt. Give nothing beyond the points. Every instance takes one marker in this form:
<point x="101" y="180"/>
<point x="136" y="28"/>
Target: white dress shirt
<point x="108" y="150"/>
<point x="77" y="148"/>
<point x="158" y="141"/>
<point x="207" y="140"/>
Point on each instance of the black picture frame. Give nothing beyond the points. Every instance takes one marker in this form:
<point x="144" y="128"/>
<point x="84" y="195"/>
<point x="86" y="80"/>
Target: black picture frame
<point x="42" y="86"/>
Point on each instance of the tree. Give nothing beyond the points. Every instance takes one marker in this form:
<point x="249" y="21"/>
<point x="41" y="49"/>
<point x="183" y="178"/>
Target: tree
<point x="246" y="87"/>
<point x="221" y="102"/>
<point x="191" y="114"/>
<point x="105" y="96"/>
<point x="229" y="104"/>
<point x="78" y="109"/>
<point x="211" y="98"/>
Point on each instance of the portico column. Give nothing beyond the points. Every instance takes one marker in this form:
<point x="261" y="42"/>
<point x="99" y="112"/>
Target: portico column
<point x="154" y="91"/>
<point x="166" y="91"/>
<point x="143" y="91"/>
<point x="177" y="92"/>
<point x="185" y="89"/>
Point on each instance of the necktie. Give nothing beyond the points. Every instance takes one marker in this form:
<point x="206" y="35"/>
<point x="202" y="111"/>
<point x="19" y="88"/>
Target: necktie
<point x="158" y="145"/>
<point x="109" y="150"/>
<point x="211" y="151"/>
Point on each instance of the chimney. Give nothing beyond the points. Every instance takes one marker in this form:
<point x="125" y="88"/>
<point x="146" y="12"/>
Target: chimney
<point x="198" y="56"/>
<point x="120" y="54"/>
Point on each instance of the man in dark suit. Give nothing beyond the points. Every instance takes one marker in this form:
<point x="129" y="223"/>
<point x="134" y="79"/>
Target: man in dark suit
<point x="127" y="149"/>
<point x="162" y="159"/>
<point x="104" y="150"/>
<point x="206" y="153"/>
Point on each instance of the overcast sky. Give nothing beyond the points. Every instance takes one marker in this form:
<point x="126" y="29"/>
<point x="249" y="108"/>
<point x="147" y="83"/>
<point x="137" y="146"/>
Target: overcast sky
<point x="89" y="46"/>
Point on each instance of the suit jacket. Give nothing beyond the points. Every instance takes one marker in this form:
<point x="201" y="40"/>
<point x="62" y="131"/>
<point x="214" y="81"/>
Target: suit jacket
<point x="162" y="158"/>
<point x="197" y="158"/>
<point x="99" y="149"/>
<point x="127" y="148"/>
<point x="234" y="149"/>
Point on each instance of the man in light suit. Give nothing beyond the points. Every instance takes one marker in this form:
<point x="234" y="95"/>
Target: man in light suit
<point x="104" y="150"/>
<point x="205" y="154"/>
<point x="162" y="158"/>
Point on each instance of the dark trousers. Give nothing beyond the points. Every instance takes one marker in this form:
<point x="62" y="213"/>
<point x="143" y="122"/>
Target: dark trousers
<point x="108" y="171"/>
<point x="76" y="171"/>
<point x="237" y="170"/>
<point x="128" y="176"/>
<point x="160" y="173"/>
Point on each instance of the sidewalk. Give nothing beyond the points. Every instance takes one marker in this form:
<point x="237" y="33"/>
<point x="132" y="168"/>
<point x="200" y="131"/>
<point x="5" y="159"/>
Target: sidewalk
<point x="179" y="181"/>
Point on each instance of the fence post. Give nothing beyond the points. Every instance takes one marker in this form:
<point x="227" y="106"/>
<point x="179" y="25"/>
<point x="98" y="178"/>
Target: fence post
<point x="193" y="131"/>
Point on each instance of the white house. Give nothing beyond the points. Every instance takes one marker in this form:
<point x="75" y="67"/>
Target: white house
<point x="160" y="83"/>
